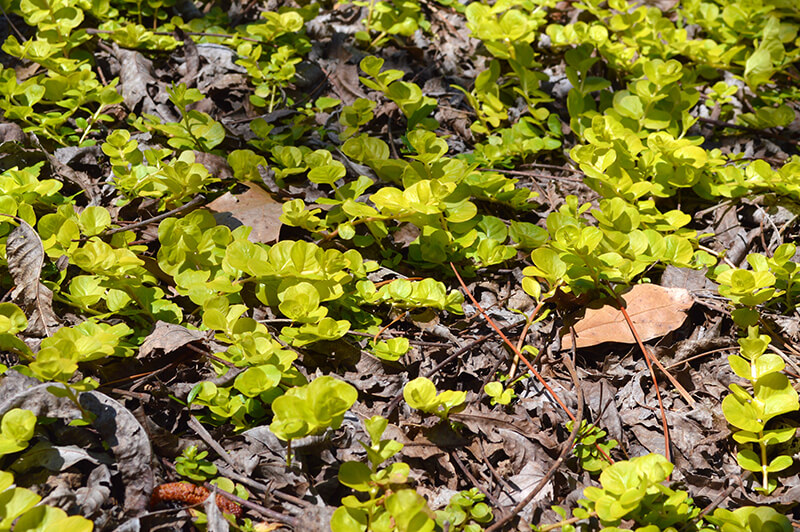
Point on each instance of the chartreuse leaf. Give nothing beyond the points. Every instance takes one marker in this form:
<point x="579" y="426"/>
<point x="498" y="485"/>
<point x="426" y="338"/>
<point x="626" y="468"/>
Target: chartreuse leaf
<point x="355" y="475"/>
<point x="13" y="503"/>
<point x="627" y="484"/>
<point x="309" y="409"/>
<point x="410" y="511"/>
<point x="392" y="349"/>
<point x="16" y="429"/>
<point x="750" y="518"/>
<point x="773" y="395"/>
<point x="346" y="519"/>
<point x="420" y="393"/>
<point x="257" y="379"/>
<point x="50" y="519"/>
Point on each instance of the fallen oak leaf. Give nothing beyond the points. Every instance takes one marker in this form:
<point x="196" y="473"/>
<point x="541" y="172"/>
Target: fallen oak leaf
<point x="654" y="311"/>
<point x="25" y="257"/>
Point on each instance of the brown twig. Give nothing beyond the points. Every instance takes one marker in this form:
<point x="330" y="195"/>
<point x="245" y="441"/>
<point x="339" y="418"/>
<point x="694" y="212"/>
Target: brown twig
<point x="474" y="480"/>
<point x="386" y="327"/>
<point x="254" y="484"/>
<point x="554" y="167"/>
<point x="201" y="431"/>
<point x="528" y="173"/>
<point x="95" y="31"/>
<point x="647" y="357"/>
<point x="399" y="397"/>
<point x="11" y="23"/>
<point x="500" y="480"/>
<point x="565" y="450"/>
<point x="763" y="132"/>
<point x="700" y="355"/>
<point x="522" y="357"/>
<point x="647" y="354"/>
<point x="195" y="201"/>
<point x="511" y="345"/>
<point x="719" y="500"/>
<point x="521" y="340"/>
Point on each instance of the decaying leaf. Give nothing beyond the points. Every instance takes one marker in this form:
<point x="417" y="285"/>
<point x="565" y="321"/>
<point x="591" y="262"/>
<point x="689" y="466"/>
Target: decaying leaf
<point x="25" y="255"/>
<point x="167" y="337"/>
<point x="97" y="491"/>
<point x="115" y="425"/>
<point x="526" y="480"/>
<point x="138" y="85"/>
<point x="216" y="523"/>
<point x="654" y="311"/>
<point x="254" y="208"/>
<point x="55" y="458"/>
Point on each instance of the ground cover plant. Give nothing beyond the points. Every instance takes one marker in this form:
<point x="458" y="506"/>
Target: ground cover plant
<point x="402" y="266"/>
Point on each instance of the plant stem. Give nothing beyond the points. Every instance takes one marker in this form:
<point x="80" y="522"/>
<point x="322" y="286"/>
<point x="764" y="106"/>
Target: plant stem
<point x="764" y="463"/>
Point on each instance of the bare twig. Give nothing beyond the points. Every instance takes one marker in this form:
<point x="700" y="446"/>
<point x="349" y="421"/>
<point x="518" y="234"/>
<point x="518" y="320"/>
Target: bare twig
<point x="647" y="357"/>
<point x="565" y="450"/>
<point x="522" y="357"/>
<point x="528" y="173"/>
<point x="95" y="31"/>
<point x="10" y="23"/>
<point x="511" y="345"/>
<point x="195" y="201"/>
<point x="762" y="132"/>
<point x="719" y="500"/>
<point x="211" y="442"/>
<point x="254" y="484"/>
<point x="474" y="481"/>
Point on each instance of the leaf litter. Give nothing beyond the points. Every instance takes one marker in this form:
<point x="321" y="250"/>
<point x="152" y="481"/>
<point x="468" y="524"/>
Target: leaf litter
<point x="504" y="452"/>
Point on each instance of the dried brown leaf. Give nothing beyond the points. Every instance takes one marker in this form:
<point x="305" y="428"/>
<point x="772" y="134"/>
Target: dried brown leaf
<point x="167" y="337"/>
<point x="142" y="92"/>
<point x="254" y="208"/>
<point x="25" y="255"/>
<point x="654" y="311"/>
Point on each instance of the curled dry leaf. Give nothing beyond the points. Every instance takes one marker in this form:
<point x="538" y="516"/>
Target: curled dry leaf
<point x="168" y="337"/>
<point x="115" y="425"/>
<point x="654" y="311"/>
<point x="142" y="92"/>
<point x="25" y="255"/>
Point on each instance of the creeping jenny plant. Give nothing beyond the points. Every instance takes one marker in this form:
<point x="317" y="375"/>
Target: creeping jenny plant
<point x="367" y="210"/>
<point x="390" y="504"/>
<point x="772" y="396"/>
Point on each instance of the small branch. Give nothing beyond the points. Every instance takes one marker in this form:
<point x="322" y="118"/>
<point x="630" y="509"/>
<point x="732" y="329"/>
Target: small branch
<point x="201" y="431"/>
<point x="647" y="357"/>
<point x="560" y="524"/>
<point x="527" y="173"/>
<point x="719" y="500"/>
<point x="195" y="201"/>
<point x="763" y="132"/>
<point x="511" y="345"/>
<point x="10" y="23"/>
<point x="565" y="450"/>
<point x="647" y="354"/>
<point x="474" y="481"/>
